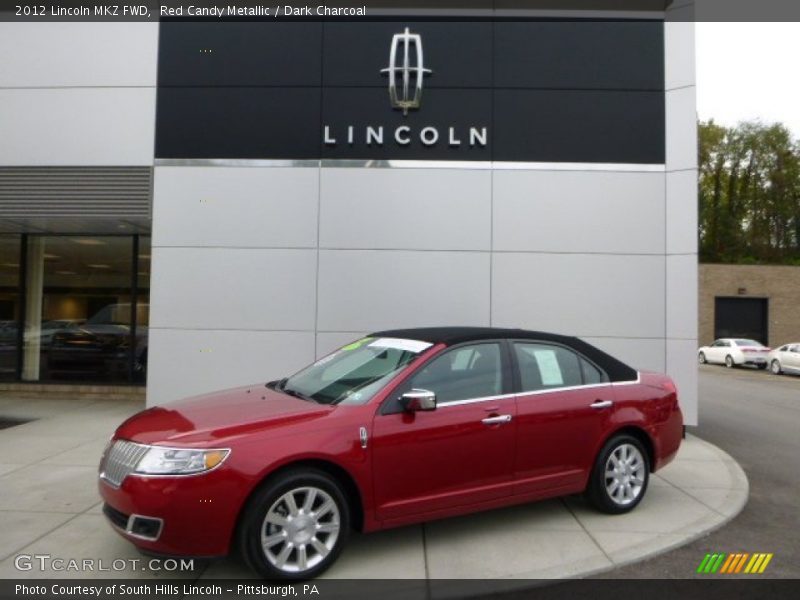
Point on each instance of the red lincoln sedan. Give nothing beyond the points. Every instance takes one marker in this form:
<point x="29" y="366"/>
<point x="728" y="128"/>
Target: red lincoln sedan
<point x="399" y="427"/>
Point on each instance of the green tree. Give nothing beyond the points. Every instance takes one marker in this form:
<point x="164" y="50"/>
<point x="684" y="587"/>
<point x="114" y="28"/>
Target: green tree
<point x="749" y="193"/>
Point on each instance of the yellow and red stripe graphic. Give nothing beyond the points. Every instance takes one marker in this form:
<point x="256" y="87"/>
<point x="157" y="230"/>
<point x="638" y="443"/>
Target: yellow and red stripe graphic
<point x="734" y="563"/>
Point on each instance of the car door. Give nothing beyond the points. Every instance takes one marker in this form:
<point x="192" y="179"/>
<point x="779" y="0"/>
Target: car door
<point x="458" y="454"/>
<point x="563" y="407"/>
<point x="791" y="358"/>
<point x="717" y="351"/>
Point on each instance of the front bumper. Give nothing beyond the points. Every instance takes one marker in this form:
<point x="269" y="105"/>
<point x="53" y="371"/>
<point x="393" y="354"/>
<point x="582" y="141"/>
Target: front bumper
<point x="196" y="514"/>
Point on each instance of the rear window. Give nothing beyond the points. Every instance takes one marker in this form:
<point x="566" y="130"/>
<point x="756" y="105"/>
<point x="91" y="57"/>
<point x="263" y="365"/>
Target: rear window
<point x="747" y="343"/>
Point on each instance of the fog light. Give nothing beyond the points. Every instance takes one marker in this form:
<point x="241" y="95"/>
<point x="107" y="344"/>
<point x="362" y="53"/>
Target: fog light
<point x="144" y="527"/>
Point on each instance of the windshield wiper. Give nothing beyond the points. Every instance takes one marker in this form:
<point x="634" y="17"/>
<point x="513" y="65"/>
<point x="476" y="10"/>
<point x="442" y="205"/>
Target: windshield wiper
<point x="277" y="384"/>
<point x="296" y="394"/>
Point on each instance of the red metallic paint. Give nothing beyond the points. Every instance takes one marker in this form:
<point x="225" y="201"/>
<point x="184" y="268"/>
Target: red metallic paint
<point x="416" y="467"/>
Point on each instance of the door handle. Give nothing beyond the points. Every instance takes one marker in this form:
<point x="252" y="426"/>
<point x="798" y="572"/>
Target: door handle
<point x="602" y="404"/>
<point x="497" y="420"/>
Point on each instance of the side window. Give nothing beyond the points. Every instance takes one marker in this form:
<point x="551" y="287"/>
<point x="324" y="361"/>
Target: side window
<point x="543" y="367"/>
<point x="463" y="373"/>
<point x="591" y="374"/>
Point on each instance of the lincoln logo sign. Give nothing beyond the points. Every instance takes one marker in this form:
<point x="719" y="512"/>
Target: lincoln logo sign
<point x="406" y="73"/>
<point x="407" y="92"/>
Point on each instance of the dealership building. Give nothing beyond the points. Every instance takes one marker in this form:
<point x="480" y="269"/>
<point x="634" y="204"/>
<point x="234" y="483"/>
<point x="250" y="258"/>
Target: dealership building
<point x="198" y="204"/>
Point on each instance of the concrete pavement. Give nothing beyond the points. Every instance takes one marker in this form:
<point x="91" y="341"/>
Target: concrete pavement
<point x="49" y="505"/>
<point x="755" y="417"/>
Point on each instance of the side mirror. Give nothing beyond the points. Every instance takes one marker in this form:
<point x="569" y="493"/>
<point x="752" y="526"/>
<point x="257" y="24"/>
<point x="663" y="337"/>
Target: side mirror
<point x="418" y="400"/>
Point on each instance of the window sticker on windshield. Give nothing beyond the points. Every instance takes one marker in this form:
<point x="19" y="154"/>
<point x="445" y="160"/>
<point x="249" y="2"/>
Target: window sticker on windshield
<point x="401" y="344"/>
<point x="357" y="344"/>
<point x="549" y="368"/>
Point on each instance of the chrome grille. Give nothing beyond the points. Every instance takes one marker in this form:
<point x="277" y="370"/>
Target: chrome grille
<point x="120" y="461"/>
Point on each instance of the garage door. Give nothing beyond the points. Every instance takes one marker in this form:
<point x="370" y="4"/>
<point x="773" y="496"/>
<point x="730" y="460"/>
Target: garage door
<point x="741" y="317"/>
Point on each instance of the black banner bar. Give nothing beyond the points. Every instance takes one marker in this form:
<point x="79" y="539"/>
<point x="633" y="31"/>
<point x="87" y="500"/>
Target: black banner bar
<point x="709" y="588"/>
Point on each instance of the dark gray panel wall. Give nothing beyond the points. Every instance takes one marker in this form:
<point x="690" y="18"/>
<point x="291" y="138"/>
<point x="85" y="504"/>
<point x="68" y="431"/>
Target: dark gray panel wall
<point x="578" y="55"/>
<point x="566" y="91"/>
<point x="240" y="54"/>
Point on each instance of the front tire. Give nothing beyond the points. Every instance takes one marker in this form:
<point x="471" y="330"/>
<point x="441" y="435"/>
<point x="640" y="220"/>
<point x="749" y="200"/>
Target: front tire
<point x="729" y="362"/>
<point x="295" y="527"/>
<point x="775" y="367"/>
<point x="701" y="358"/>
<point x="620" y="476"/>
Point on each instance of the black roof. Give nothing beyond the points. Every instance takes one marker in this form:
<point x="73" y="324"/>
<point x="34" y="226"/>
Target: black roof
<point x="616" y="370"/>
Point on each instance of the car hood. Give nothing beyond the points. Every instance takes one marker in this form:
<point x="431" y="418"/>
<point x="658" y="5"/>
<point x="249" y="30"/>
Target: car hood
<point x="220" y="416"/>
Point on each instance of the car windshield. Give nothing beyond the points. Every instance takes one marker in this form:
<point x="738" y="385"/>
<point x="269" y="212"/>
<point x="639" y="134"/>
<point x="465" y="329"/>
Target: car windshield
<point x="354" y="373"/>
<point x="747" y="343"/>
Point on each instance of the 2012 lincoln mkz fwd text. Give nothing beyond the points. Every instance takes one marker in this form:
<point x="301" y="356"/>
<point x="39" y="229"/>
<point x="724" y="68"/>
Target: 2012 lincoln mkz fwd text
<point x="399" y="427"/>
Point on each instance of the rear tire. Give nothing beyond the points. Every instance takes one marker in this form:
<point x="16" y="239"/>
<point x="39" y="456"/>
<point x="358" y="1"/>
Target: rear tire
<point x="295" y="527"/>
<point x="775" y="367"/>
<point x="620" y="475"/>
<point x="761" y="367"/>
<point x="729" y="362"/>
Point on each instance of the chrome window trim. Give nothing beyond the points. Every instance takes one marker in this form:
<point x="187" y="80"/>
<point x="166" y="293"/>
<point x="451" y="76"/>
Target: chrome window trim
<point x="568" y="388"/>
<point x="634" y="382"/>
<point x="474" y="400"/>
<point x="540" y="392"/>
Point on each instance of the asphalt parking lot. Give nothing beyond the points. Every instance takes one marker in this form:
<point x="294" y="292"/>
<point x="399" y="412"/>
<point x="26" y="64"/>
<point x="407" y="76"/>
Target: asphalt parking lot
<point x="755" y="417"/>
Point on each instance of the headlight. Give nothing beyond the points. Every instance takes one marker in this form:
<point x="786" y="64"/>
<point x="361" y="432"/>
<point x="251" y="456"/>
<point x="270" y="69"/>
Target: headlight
<point x="179" y="461"/>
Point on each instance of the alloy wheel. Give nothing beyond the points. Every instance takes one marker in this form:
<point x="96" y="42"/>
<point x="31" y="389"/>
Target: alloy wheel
<point x="701" y="358"/>
<point x="776" y="367"/>
<point x="729" y="361"/>
<point x="300" y="529"/>
<point x="625" y="474"/>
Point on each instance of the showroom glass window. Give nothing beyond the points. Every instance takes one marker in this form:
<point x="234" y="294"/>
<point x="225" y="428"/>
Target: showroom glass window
<point x="85" y="317"/>
<point x="9" y="305"/>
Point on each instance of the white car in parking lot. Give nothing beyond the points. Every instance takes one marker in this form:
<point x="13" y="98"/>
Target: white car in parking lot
<point x="785" y="359"/>
<point x="733" y="352"/>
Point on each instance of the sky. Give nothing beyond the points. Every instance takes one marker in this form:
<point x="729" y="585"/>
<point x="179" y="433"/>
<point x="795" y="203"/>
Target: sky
<point x="749" y="71"/>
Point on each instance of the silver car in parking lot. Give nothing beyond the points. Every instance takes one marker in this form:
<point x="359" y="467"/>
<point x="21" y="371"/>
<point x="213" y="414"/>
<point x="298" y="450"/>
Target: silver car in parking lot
<point x="785" y="359"/>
